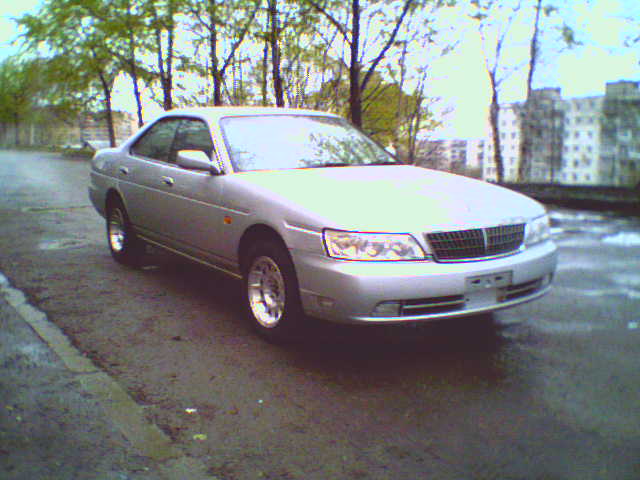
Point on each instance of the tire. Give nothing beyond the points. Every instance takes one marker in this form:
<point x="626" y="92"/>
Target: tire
<point x="126" y="248"/>
<point x="271" y="292"/>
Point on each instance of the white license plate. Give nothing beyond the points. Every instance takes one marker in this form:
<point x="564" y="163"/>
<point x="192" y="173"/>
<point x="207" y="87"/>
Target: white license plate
<point x="486" y="282"/>
<point x="484" y="290"/>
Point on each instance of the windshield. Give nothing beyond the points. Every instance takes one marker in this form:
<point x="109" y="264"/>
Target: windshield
<point x="275" y="142"/>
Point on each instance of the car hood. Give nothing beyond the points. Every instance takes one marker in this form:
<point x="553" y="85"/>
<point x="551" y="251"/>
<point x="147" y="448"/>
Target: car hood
<point x="397" y="198"/>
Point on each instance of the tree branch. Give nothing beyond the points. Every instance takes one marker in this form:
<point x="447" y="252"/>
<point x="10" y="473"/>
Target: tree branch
<point x="343" y="31"/>
<point x="390" y="41"/>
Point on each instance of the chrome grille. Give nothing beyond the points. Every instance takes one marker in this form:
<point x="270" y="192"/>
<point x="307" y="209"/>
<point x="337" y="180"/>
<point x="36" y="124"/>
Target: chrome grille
<point x="476" y="243"/>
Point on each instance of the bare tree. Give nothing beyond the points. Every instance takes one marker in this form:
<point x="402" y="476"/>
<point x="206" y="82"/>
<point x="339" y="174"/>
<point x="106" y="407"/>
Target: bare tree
<point x="524" y="165"/>
<point x="350" y="29"/>
<point x="494" y="24"/>
<point x="213" y="16"/>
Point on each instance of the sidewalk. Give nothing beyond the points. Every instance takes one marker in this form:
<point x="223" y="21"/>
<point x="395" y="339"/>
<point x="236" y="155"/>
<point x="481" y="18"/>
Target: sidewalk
<point x="70" y="422"/>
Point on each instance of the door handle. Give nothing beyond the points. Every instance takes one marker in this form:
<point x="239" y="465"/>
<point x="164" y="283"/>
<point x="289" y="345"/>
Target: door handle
<point x="124" y="170"/>
<point x="168" y="181"/>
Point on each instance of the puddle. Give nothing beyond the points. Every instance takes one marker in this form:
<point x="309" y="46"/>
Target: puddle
<point x="579" y="216"/>
<point x="61" y="244"/>
<point x="565" y="327"/>
<point x="577" y="241"/>
<point x="606" y="292"/>
<point x="623" y="239"/>
<point x="54" y="209"/>
<point x="575" y="327"/>
<point x="626" y="279"/>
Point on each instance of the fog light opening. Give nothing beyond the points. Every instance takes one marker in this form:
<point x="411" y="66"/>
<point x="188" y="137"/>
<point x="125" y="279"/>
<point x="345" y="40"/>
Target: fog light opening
<point x="325" y="303"/>
<point x="387" y="309"/>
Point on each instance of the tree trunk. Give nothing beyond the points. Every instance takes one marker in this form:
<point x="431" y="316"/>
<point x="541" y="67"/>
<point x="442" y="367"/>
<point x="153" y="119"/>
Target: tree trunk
<point x="131" y="65"/>
<point x="527" y="115"/>
<point x="275" y="53"/>
<point x="265" y="70"/>
<point x="213" y="53"/>
<point x="164" y="78"/>
<point x="168" y="84"/>
<point x="355" y="95"/>
<point x="16" y="128"/>
<point x="215" y="71"/>
<point x="136" y="94"/>
<point x="106" y="90"/>
<point x="494" y="118"/>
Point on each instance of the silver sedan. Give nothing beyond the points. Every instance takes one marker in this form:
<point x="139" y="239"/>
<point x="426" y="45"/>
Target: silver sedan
<point x="317" y="219"/>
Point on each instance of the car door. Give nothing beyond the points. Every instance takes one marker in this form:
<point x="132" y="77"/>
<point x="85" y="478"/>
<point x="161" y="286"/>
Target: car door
<point x="141" y="174"/>
<point x="195" y="218"/>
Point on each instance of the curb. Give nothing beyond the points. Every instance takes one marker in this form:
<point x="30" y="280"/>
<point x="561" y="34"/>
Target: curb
<point x="116" y="403"/>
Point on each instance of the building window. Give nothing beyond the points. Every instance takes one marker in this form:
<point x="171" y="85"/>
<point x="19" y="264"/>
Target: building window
<point x="576" y="134"/>
<point x="575" y="148"/>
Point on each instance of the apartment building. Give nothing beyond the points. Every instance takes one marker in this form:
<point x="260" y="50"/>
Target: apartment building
<point x="576" y="141"/>
<point x="448" y="154"/>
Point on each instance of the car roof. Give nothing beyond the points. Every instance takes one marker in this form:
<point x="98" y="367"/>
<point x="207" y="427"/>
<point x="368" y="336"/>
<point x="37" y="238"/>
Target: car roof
<point x="215" y="113"/>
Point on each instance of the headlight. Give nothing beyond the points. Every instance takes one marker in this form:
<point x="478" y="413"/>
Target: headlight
<point x="372" y="246"/>
<point x="538" y="230"/>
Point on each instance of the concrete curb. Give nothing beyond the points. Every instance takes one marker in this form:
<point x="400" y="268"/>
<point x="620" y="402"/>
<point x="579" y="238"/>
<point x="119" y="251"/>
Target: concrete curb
<point x="117" y="404"/>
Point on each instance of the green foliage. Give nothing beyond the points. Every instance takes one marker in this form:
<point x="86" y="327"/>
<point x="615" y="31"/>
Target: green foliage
<point x="86" y="44"/>
<point x="18" y="84"/>
<point x="75" y="52"/>
<point x="569" y="36"/>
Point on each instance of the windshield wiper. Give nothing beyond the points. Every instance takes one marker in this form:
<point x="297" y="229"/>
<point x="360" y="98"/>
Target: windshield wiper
<point x="385" y="163"/>
<point x="331" y="164"/>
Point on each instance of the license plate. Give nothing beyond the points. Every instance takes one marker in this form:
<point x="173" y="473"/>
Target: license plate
<point x="486" y="282"/>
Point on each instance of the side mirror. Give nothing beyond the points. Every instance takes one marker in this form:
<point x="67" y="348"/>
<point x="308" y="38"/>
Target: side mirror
<point x="196" y="160"/>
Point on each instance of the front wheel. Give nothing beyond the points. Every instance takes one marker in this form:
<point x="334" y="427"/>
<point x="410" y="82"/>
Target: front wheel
<point x="271" y="292"/>
<point x="125" y="246"/>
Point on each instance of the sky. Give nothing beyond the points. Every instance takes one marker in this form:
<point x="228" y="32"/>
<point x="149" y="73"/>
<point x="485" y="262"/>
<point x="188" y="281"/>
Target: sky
<point x="460" y="81"/>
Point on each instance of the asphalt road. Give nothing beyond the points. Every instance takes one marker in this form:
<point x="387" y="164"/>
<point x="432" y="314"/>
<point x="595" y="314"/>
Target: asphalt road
<point x="548" y="390"/>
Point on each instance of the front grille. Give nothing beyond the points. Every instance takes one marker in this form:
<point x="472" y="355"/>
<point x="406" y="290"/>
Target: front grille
<point x="476" y="243"/>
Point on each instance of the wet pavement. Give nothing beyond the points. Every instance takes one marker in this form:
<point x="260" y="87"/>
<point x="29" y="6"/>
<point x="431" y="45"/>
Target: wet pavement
<point x="49" y="427"/>
<point x="546" y="390"/>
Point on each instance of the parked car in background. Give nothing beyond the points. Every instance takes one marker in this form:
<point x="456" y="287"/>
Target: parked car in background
<point x="318" y="220"/>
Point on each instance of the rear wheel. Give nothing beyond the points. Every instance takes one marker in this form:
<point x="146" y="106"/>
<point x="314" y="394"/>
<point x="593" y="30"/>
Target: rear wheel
<point x="125" y="246"/>
<point x="271" y="292"/>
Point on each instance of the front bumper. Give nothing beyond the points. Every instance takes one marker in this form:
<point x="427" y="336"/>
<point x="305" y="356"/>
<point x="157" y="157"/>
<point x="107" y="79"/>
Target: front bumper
<point x="359" y="292"/>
